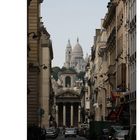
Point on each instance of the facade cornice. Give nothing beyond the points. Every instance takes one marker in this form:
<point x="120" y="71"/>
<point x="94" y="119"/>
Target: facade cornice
<point x="102" y="48"/>
<point x="44" y="31"/>
<point x="111" y="12"/>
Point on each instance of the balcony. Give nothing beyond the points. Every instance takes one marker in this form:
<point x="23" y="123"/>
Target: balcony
<point x="92" y="53"/>
<point x="132" y="58"/>
<point x="102" y="48"/>
<point x="132" y="24"/>
<point x="111" y="41"/>
<point x="111" y="69"/>
<point x="121" y="77"/>
<point x="100" y="101"/>
<point x="109" y="105"/>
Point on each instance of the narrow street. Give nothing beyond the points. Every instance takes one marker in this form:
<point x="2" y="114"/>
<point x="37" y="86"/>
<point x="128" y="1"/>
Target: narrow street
<point x="62" y="137"/>
<point x="81" y="69"/>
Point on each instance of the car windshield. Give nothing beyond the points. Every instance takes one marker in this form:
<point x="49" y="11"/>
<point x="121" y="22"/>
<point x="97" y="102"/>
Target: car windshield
<point x="105" y="131"/>
<point x="117" y="128"/>
<point x="84" y="125"/>
<point x="70" y="129"/>
<point x="50" y="129"/>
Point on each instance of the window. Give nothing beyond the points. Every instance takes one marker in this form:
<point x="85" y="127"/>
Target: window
<point x="68" y="81"/>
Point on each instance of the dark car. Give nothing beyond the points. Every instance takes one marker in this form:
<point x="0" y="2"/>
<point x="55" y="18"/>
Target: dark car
<point x="76" y="129"/>
<point x="132" y="133"/>
<point x="70" y="132"/>
<point x="51" y="132"/>
<point x="114" y="129"/>
<point x="104" y="134"/>
<point x="82" y="132"/>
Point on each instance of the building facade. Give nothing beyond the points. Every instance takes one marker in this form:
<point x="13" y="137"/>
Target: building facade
<point x="39" y="57"/>
<point x="67" y="99"/>
<point x="131" y="51"/>
<point x="98" y="79"/>
<point x="85" y="93"/>
<point x="113" y="65"/>
<point x="46" y="56"/>
<point x="33" y="25"/>
<point x="68" y="88"/>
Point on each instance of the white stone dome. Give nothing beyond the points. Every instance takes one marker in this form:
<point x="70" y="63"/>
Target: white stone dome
<point x="77" y="48"/>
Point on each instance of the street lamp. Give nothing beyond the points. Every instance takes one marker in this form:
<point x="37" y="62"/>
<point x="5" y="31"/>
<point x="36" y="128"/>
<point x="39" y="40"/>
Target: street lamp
<point x="34" y="35"/>
<point x="44" y="66"/>
<point x="36" y="65"/>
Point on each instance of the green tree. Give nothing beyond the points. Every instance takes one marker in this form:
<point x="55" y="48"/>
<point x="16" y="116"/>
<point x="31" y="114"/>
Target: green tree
<point x="81" y="75"/>
<point x="72" y="69"/>
<point x="55" y="71"/>
<point x="63" y="69"/>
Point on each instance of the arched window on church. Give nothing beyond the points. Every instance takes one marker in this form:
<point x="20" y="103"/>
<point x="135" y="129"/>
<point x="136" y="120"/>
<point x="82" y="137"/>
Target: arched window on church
<point x="68" y="81"/>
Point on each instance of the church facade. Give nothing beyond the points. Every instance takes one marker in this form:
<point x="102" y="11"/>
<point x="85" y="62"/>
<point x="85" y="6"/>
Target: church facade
<point x="67" y="100"/>
<point x="68" y="87"/>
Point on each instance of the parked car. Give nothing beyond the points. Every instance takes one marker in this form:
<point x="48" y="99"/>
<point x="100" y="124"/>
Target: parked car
<point x="82" y="132"/>
<point x="85" y="125"/>
<point x="114" y="129"/>
<point x="120" y="135"/>
<point x="77" y="130"/>
<point x="51" y="132"/>
<point x="70" y="132"/>
<point x="104" y="134"/>
<point x="132" y="133"/>
<point x="61" y="130"/>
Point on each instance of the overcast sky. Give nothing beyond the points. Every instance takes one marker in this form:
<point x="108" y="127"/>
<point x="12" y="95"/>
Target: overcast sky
<point x="69" y="19"/>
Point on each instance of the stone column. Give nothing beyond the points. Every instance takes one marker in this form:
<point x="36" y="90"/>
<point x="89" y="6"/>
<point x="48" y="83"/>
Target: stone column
<point x="64" y="115"/>
<point x="79" y="116"/>
<point x="56" y="115"/>
<point x="71" y="114"/>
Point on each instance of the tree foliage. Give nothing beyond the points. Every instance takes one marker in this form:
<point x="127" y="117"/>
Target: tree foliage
<point x="55" y="71"/>
<point x="81" y="75"/>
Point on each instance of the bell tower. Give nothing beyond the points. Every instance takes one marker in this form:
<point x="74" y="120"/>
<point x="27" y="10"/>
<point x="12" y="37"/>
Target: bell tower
<point x="68" y="55"/>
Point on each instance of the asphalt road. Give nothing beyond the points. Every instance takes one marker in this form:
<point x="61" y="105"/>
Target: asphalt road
<point x="61" y="137"/>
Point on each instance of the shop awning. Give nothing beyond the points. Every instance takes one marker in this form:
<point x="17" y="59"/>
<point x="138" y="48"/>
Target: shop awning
<point x="118" y="94"/>
<point x="112" y="116"/>
<point x="115" y="115"/>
